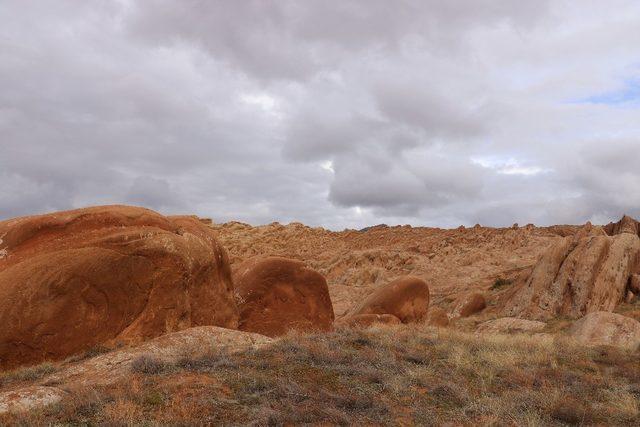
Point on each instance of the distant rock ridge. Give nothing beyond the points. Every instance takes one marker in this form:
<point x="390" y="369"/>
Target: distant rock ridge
<point x="625" y="225"/>
<point x="592" y="270"/>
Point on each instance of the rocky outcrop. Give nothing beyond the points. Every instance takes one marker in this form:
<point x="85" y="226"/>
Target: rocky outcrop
<point x="509" y="325"/>
<point x="276" y="295"/>
<point x="625" y="225"/>
<point x="604" y="328"/>
<point x="367" y="320"/>
<point x="437" y="317"/>
<point x="72" y="280"/>
<point x="469" y="305"/>
<point x="406" y="298"/>
<point x="590" y="271"/>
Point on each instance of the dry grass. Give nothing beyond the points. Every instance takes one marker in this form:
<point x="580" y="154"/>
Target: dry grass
<point x="30" y="373"/>
<point x="402" y="375"/>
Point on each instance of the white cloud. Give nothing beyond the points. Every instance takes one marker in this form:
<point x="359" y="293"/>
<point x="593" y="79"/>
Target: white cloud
<point x="331" y="113"/>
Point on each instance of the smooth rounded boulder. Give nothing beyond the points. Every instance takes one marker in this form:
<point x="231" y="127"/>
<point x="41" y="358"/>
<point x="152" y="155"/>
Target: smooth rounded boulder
<point x="406" y="298"/>
<point x="276" y="295"/>
<point x="72" y="280"/>
<point x="470" y="304"/>
<point x="605" y="328"/>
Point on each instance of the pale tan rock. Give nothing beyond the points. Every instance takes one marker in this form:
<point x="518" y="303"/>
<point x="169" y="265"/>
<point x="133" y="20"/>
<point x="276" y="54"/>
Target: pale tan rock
<point x="605" y="328"/>
<point x="508" y="325"/>
<point x="29" y="398"/>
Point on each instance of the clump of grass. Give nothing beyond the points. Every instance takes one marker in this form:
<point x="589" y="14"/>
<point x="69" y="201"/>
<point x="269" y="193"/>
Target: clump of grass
<point x="500" y="283"/>
<point x="149" y="365"/>
<point x="88" y="354"/>
<point x="30" y="373"/>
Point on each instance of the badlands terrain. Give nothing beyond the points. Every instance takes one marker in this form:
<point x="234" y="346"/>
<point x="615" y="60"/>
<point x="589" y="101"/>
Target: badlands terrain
<point x="118" y="315"/>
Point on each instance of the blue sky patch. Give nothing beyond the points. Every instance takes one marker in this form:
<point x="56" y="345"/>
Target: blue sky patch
<point x="629" y="93"/>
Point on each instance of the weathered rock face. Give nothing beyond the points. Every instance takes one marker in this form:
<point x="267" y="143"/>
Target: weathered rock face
<point x="437" y="317"/>
<point x="470" y="304"/>
<point x="507" y="325"/>
<point x="276" y="295"/>
<point x="367" y="320"/>
<point x="588" y="272"/>
<point x="407" y="298"/>
<point x="625" y="225"/>
<point x="72" y="280"/>
<point x="604" y="328"/>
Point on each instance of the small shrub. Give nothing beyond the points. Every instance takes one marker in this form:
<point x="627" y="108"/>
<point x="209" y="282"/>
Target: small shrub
<point x="30" y="373"/>
<point x="89" y="354"/>
<point x="500" y="283"/>
<point x="148" y="365"/>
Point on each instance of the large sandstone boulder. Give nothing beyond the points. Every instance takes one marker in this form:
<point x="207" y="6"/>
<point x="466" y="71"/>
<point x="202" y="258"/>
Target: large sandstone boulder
<point x="469" y="305"/>
<point x="604" y="328"/>
<point x="591" y="271"/>
<point x="406" y="298"/>
<point x="509" y="325"/>
<point x="276" y="295"/>
<point x="72" y="280"/>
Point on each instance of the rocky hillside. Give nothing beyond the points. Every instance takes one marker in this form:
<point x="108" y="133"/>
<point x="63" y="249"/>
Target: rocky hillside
<point x="354" y="262"/>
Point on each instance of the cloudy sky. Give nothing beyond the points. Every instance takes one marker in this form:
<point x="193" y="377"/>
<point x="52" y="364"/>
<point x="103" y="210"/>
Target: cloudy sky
<point x="335" y="113"/>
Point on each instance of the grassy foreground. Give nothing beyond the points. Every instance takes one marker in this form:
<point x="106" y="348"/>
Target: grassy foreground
<point x="402" y="375"/>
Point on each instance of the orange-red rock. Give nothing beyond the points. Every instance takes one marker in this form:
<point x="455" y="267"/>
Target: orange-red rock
<point x="276" y="295"/>
<point x="469" y="304"/>
<point x="407" y="298"/>
<point x="71" y="280"/>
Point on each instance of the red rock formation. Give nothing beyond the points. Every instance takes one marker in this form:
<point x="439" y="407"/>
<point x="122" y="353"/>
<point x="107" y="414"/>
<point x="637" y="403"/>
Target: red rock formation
<point x="407" y="298"/>
<point x="470" y="304"/>
<point x="276" y="295"/>
<point x="71" y="280"/>
<point x="588" y="272"/>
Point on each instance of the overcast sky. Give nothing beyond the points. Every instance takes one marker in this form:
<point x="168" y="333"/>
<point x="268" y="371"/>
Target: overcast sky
<point x="333" y="113"/>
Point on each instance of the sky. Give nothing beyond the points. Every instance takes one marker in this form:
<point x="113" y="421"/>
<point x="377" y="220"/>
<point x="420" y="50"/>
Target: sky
<point x="339" y="114"/>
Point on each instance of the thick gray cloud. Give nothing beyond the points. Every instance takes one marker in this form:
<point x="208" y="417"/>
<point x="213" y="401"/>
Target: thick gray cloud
<point x="339" y="114"/>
